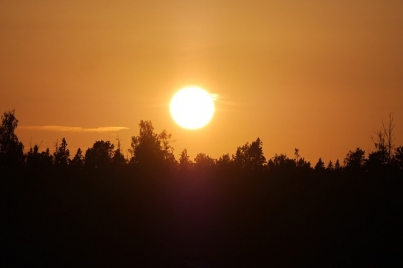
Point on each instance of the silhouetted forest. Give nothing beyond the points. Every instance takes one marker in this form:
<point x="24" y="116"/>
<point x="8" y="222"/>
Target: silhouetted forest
<point x="149" y="209"/>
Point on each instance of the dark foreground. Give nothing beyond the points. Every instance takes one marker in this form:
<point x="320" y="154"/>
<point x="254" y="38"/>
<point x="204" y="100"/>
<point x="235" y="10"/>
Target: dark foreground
<point x="200" y="222"/>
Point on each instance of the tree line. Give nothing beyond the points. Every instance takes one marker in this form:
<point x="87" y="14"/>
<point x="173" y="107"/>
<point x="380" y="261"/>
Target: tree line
<point x="149" y="209"/>
<point x="153" y="152"/>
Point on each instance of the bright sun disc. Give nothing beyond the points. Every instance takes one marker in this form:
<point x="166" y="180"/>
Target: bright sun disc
<point x="192" y="107"/>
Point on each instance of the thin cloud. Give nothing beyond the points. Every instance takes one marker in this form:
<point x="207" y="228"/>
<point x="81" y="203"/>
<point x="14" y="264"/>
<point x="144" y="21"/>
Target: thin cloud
<point x="215" y="97"/>
<point x="224" y="100"/>
<point x="73" y="129"/>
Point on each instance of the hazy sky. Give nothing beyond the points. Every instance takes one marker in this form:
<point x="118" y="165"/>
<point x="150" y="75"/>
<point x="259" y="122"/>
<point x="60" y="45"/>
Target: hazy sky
<point x="316" y="75"/>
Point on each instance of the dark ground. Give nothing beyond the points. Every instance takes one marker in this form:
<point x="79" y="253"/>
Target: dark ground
<point x="194" y="222"/>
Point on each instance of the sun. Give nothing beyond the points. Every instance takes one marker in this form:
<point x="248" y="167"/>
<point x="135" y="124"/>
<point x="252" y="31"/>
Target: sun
<point x="192" y="107"/>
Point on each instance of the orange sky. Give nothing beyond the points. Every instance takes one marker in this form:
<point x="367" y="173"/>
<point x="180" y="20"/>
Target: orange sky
<point x="316" y="75"/>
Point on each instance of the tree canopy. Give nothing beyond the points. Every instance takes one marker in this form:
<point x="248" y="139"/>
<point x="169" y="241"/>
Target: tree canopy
<point x="153" y="153"/>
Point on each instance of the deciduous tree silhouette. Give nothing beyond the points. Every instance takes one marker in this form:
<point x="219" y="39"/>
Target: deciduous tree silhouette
<point x="224" y="166"/>
<point x="203" y="164"/>
<point x="167" y="149"/>
<point x="39" y="164"/>
<point x="250" y="156"/>
<point x="354" y="161"/>
<point x="376" y="161"/>
<point x="185" y="164"/>
<point x="296" y="154"/>
<point x="99" y="156"/>
<point x="151" y="151"/>
<point x="118" y="159"/>
<point x="384" y="143"/>
<point x="282" y="162"/>
<point x="398" y="158"/>
<point x="11" y="149"/>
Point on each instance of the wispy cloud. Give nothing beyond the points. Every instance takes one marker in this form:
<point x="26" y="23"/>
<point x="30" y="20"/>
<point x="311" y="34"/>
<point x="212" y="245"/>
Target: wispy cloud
<point x="224" y="100"/>
<point x="72" y="129"/>
<point x="215" y="96"/>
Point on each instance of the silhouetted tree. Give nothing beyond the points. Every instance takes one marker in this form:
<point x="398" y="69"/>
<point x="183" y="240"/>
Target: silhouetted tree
<point x="184" y="161"/>
<point x="302" y="163"/>
<point x="398" y="158"/>
<point x="99" y="156"/>
<point x="283" y="162"/>
<point x="389" y="136"/>
<point x="78" y="158"/>
<point x="278" y="160"/>
<point x="303" y="167"/>
<point x="47" y="159"/>
<point x="118" y="159"/>
<point x="150" y="150"/>
<point x="224" y="165"/>
<point x="250" y="156"/>
<point x="77" y="163"/>
<point x="146" y="146"/>
<point x="330" y="166"/>
<point x="203" y="163"/>
<point x="225" y="159"/>
<point x="61" y="154"/>
<point x="379" y="156"/>
<point x="167" y="150"/>
<point x="256" y="157"/>
<point x="33" y="160"/>
<point x="39" y="164"/>
<point x="320" y="165"/>
<point x="384" y="143"/>
<point x="354" y="161"/>
<point x="376" y="161"/>
<point x="337" y="166"/>
<point x="296" y="154"/>
<point x="11" y="149"/>
<point x="282" y="165"/>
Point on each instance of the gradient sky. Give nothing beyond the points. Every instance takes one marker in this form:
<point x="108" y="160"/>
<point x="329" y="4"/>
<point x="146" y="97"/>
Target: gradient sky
<point x="316" y="75"/>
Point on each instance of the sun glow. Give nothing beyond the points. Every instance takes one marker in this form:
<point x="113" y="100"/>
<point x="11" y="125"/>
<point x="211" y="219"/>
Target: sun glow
<point x="192" y="107"/>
